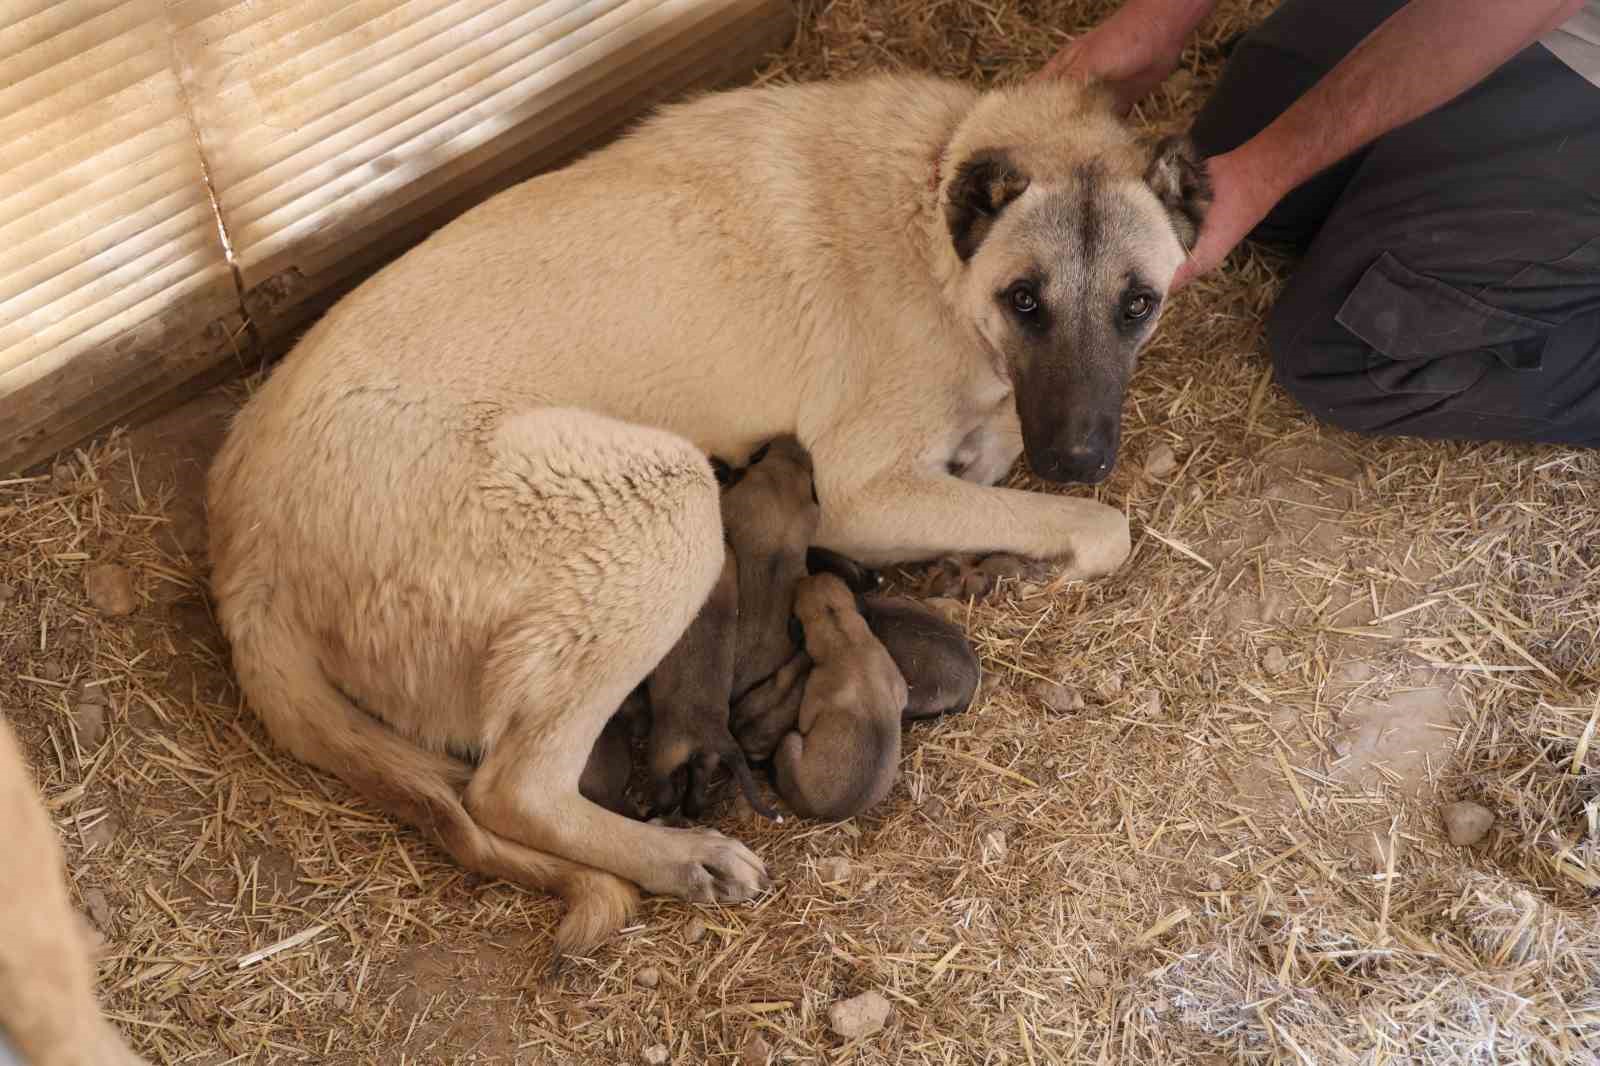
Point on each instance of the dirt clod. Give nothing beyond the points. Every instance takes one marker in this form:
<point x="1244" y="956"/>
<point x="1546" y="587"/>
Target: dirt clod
<point x="859" y="1016"/>
<point x="833" y="870"/>
<point x="110" y="589"/>
<point x="1467" y="822"/>
<point x="1161" y="462"/>
<point x="89" y="723"/>
<point x="756" y="1051"/>
<point x="648" y="977"/>
<point x="1062" y="699"/>
<point x="1275" y="661"/>
<point x="1110" y="687"/>
<point x="694" y="932"/>
<point x="99" y="908"/>
<point x="657" y="1054"/>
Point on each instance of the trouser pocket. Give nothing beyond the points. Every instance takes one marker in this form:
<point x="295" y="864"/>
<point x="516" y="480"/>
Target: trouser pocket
<point x="1425" y="336"/>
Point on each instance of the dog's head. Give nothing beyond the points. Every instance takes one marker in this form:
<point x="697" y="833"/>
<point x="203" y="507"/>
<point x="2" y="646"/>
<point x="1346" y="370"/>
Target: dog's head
<point x="1068" y="231"/>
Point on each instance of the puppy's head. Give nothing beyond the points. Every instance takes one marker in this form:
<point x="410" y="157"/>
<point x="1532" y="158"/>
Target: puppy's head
<point x="772" y="507"/>
<point x="1067" y="230"/>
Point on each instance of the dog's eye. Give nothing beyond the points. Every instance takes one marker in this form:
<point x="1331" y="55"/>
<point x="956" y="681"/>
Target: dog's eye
<point x="1137" y="308"/>
<point x="1024" y="299"/>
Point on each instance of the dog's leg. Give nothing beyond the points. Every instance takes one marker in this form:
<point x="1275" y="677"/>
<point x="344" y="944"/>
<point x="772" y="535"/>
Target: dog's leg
<point x="47" y="1003"/>
<point x="625" y="528"/>
<point x="906" y="517"/>
<point x="526" y="789"/>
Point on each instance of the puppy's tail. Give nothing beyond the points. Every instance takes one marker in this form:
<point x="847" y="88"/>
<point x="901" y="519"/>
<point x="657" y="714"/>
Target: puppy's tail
<point x="312" y="719"/>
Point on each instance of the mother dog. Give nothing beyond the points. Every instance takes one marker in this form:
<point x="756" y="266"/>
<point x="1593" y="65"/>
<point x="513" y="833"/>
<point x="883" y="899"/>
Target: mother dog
<point x="473" y="509"/>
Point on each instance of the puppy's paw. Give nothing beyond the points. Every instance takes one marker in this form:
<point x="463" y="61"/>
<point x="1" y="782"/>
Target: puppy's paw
<point x="715" y="869"/>
<point x="966" y="577"/>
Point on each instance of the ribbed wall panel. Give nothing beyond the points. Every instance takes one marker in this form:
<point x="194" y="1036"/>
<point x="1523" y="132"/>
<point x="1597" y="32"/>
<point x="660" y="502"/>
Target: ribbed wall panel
<point x="320" y="119"/>
<point x="105" y="222"/>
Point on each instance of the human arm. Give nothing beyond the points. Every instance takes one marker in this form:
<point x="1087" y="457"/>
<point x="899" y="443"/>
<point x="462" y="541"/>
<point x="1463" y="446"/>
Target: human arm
<point x="1424" y="55"/>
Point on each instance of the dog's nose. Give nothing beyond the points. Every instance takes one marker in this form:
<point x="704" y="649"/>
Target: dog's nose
<point x="1085" y="464"/>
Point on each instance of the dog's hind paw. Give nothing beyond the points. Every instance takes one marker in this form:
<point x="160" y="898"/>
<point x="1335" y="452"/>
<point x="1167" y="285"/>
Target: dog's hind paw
<point x="717" y="869"/>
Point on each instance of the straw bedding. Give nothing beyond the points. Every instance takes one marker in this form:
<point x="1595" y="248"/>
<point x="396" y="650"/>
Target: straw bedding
<point x="1193" y="817"/>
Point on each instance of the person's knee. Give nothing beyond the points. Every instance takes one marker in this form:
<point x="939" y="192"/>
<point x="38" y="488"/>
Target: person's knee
<point x="1324" y="370"/>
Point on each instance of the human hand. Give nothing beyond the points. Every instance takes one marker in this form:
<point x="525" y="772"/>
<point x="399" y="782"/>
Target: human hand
<point x="1132" y="51"/>
<point x="1243" y="191"/>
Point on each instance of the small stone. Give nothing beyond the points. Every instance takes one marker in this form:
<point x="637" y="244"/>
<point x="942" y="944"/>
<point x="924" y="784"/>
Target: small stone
<point x="1161" y="461"/>
<point x="1059" y="698"/>
<point x="1467" y="822"/>
<point x="1275" y="662"/>
<point x="1110" y="687"/>
<point x="834" y="870"/>
<point x="110" y="588"/>
<point x="953" y="611"/>
<point x="102" y="834"/>
<point x="859" y="1016"/>
<point x="99" y="908"/>
<point x="694" y="932"/>
<point x="657" y="1054"/>
<point x="89" y="723"/>
<point x="1097" y="978"/>
<point x="648" y="977"/>
<point x="992" y="846"/>
<point x="756" y="1052"/>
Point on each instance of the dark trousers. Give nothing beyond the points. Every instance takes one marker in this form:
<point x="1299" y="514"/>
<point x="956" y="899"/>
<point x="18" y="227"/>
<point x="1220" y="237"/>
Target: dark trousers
<point x="1450" y="279"/>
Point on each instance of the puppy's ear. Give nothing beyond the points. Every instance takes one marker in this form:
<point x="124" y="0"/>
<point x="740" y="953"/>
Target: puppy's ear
<point x="1179" y="178"/>
<point x="981" y="188"/>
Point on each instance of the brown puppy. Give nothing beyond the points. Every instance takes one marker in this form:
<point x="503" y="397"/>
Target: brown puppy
<point x="610" y="767"/>
<point x="741" y="635"/>
<point x="844" y="754"/>
<point x="770" y="516"/>
<point x="940" y="669"/>
<point x="939" y="665"/>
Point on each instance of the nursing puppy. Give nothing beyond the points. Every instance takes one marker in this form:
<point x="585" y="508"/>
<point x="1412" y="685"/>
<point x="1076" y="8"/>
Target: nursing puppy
<point x="48" y="1011"/>
<point x="843" y="755"/>
<point x="938" y="664"/>
<point x="472" y="511"/>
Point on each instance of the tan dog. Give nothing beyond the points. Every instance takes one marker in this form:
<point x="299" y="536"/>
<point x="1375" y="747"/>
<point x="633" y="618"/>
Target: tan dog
<point x="844" y="753"/>
<point x="472" y="509"/>
<point x="48" y="1012"/>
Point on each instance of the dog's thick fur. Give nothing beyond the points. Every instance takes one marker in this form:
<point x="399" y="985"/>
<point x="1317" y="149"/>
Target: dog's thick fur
<point x="843" y="755"/>
<point x="48" y="1011"/>
<point x="472" y="510"/>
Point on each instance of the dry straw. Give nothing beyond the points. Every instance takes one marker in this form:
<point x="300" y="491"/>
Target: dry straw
<point x="1230" y="853"/>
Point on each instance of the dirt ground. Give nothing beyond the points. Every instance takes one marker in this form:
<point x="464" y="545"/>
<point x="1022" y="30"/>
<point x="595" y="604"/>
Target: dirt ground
<point x="1193" y="817"/>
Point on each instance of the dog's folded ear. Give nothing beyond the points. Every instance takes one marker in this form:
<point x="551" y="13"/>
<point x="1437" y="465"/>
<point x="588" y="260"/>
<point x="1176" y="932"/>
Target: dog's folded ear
<point x="982" y="186"/>
<point x="1179" y="178"/>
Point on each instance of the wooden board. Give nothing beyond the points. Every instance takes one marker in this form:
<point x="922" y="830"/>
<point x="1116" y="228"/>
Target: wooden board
<point x="325" y="139"/>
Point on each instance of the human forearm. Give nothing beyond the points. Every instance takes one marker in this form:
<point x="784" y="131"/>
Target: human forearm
<point x="1426" y="54"/>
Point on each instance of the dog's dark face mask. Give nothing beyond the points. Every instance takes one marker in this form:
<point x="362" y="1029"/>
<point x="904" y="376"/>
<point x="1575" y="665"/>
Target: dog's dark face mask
<point x="1065" y="283"/>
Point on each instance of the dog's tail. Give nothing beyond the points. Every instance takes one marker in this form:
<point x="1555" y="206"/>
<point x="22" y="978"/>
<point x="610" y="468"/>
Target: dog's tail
<point x="310" y="717"/>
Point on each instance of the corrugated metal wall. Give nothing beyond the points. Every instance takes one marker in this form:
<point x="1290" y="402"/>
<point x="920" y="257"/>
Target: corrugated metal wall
<point x="312" y="131"/>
